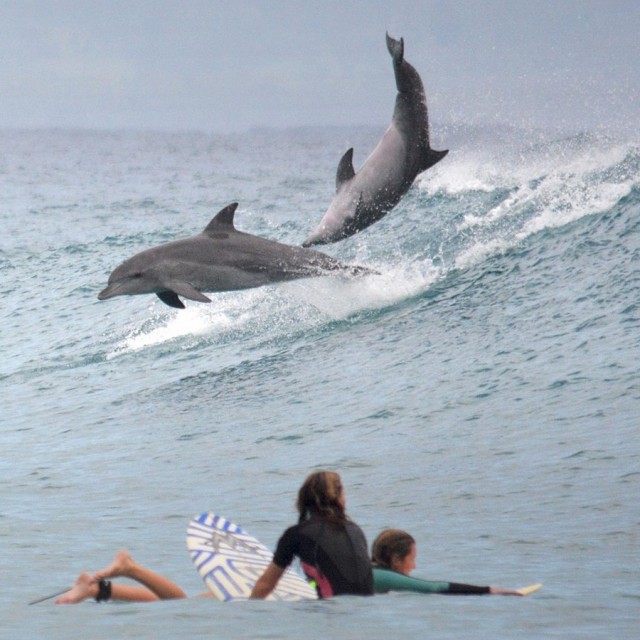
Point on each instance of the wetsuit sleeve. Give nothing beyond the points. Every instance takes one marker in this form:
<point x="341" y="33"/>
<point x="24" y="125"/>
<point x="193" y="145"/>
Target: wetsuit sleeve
<point x="287" y="547"/>
<point x="456" y="588"/>
<point x="386" y="580"/>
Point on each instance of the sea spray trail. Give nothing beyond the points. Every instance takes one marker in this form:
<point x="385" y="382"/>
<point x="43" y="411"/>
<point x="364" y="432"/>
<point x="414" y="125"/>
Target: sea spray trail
<point x="511" y="199"/>
<point x="537" y="197"/>
<point x="290" y="309"/>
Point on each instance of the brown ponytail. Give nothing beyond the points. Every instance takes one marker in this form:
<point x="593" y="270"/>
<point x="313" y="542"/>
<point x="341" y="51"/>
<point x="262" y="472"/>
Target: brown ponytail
<point x="321" y="495"/>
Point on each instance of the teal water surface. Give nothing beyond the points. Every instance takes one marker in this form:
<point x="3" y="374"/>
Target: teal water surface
<point x="482" y="392"/>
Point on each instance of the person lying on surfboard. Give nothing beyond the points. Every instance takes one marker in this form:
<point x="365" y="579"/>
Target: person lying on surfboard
<point x="394" y="557"/>
<point x="332" y="548"/>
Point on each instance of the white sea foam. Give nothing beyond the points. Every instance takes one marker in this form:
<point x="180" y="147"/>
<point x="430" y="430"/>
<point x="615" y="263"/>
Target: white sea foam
<point x="550" y="187"/>
<point x="340" y="298"/>
<point x="169" y="325"/>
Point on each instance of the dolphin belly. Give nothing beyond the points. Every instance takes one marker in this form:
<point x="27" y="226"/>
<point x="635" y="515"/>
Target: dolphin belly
<point x="369" y="195"/>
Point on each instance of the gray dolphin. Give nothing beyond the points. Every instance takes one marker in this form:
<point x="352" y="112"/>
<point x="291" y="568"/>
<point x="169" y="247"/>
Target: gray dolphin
<point x="218" y="259"/>
<point x="403" y="152"/>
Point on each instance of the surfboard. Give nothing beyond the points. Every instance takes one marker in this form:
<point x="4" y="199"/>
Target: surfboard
<point x="532" y="588"/>
<point x="230" y="561"/>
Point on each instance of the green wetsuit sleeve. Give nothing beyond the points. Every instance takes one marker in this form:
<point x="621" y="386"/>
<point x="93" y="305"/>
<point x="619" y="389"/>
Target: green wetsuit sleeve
<point x="385" y="581"/>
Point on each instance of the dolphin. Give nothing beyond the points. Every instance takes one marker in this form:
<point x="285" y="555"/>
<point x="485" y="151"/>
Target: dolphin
<point x="403" y="152"/>
<point x="218" y="259"/>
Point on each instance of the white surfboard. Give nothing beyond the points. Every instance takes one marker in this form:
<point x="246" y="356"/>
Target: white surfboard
<point x="230" y="560"/>
<point x="532" y="588"/>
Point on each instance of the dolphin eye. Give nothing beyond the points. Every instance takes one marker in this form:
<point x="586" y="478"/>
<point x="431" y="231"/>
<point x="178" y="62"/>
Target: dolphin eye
<point x="137" y="275"/>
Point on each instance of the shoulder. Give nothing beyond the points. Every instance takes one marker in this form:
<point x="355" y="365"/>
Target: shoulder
<point x="355" y="529"/>
<point x="382" y="580"/>
<point x="287" y="546"/>
<point x="290" y="533"/>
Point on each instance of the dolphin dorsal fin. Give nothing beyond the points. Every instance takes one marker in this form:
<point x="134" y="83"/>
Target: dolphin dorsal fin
<point x="345" y="169"/>
<point x="223" y="220"/>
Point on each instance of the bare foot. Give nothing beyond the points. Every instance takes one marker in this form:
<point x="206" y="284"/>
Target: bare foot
<point x="85" y="587"/>
<point x="121" y="565"/>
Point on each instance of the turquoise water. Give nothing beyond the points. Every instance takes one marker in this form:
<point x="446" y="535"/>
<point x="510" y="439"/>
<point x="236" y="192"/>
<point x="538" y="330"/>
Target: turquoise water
<point x="482" y="392"/>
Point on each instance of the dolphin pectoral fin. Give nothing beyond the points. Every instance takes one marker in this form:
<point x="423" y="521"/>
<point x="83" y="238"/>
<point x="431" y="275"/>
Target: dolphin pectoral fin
<point x="187" y="291"/>
<point x="431" y="157"/>
<point x="170" y="298"/>
<point x="345" y="170"/>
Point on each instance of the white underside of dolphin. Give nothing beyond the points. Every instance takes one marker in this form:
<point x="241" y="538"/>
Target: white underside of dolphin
<point x="403" y="153"/>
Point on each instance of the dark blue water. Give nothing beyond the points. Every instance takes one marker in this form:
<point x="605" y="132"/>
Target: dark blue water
<point x="482" y="392"/>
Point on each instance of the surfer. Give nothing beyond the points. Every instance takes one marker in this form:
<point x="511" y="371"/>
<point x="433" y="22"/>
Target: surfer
<point x="332" y="549"/>
<point x="394" y="558"/>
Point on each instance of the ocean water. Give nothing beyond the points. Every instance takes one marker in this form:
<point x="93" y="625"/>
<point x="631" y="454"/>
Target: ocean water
<point x="482" y="391"/>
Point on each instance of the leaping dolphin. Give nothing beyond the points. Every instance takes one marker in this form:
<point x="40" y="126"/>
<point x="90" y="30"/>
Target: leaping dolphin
<point x="403" y="152"/>
<point x="218" y="259"/>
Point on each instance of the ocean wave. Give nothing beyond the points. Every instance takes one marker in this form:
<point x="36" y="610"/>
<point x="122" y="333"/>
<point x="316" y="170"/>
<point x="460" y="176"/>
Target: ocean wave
<point x="504" y="199"/>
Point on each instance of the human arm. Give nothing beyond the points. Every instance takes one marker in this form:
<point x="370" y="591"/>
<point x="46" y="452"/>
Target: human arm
<point x="286" y="548"/>
<point x="267" y="582"/>
<point x="386" y="580"/>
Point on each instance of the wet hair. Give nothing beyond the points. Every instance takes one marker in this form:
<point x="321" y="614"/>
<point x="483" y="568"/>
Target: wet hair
<point x="321" y="495"/>
<point x="391" y="543"/>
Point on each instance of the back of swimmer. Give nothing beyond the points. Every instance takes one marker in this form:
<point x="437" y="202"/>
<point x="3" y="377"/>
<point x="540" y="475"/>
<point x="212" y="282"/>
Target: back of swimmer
<point x="332" y="549"/>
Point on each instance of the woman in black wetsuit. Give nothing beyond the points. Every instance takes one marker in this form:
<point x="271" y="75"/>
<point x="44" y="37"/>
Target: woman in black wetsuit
<point x="394" y="558"/>
<point x="332" y="549"/>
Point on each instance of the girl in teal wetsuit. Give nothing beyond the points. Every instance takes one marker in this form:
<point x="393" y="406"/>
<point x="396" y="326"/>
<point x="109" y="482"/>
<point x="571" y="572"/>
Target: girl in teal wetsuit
<point x="394" y="558"/>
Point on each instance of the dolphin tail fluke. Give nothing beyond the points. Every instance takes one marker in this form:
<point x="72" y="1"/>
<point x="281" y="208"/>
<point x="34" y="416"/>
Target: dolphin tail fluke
<point x="432" y="157"/>
<point x="396" y="49"/>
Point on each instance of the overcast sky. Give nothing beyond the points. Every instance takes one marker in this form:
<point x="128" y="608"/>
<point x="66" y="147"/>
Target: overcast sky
<point x="233" y="64"/>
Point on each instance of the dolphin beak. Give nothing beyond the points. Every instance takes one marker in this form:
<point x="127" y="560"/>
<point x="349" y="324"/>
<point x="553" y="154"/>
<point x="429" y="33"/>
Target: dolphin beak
<point x="109" y="292"/>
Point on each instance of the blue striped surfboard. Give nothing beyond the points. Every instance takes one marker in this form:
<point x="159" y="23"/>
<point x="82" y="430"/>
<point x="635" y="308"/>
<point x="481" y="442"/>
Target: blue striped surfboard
<point x="230" y="560"/>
